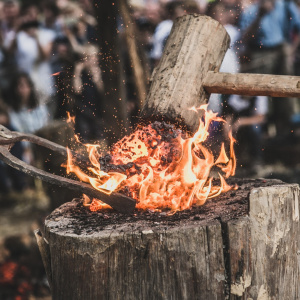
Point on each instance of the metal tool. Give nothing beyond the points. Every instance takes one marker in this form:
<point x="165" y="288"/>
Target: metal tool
<point x="117" y="201"/>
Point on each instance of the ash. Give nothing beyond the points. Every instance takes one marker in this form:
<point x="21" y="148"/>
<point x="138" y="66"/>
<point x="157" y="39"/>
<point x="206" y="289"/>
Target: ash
<point x="230" y="205"/>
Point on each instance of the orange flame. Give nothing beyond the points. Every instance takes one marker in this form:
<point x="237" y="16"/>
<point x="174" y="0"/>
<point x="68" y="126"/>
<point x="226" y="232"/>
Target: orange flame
<point x="160" y="167"/>
<point x="70" y="119"/>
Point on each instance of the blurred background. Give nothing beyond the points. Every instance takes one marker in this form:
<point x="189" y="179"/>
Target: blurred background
<point x="93" y="60"/>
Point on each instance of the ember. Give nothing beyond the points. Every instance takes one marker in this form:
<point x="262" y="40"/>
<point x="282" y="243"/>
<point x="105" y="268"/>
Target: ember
<point x="21" y="274"/>
<point x="160" y="166"/>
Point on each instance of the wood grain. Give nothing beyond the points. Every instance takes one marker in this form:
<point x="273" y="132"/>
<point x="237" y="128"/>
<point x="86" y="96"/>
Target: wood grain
<point x="263" y="251"/>
<point x="251" y="257"/>
<point x="196" y="45"/>
<point x="252" y="84"/>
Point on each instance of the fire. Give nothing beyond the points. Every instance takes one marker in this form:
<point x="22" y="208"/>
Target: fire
<point x="8" y="272"/>
<point x="14" y="277"/>
<point x="70" y="119"/>
<point x="160" y="166"/>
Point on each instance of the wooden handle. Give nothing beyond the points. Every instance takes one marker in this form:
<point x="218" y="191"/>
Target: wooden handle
<point x="252" y="84"/>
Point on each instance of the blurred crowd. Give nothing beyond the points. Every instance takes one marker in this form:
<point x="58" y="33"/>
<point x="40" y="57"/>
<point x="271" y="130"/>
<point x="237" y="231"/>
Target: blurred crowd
<point x="49" y="65"/>
<point x="265" y="37"/>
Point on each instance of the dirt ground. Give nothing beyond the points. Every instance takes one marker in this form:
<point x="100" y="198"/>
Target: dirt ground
<point x="20" y="215"/>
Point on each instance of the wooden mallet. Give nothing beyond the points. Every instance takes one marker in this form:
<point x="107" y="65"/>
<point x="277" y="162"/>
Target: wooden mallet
<point x="188" y="73"/>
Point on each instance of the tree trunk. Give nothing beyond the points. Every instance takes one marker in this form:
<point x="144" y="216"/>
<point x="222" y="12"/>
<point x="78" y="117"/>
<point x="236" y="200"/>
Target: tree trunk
<point x="115" y="114"/>
<point x="236" y="246"/>
<point x="140" y="71"/>
<point x="196" y="45"/>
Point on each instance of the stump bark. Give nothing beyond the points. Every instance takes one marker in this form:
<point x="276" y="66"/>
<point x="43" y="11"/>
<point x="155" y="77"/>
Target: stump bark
<point x="241" y="245"/>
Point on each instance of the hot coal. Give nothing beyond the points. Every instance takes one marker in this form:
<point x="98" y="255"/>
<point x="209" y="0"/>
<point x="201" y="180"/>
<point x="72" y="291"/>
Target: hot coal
<point x="230" y="205"/>
<point x="106" y="166"/>
<point x="164" y="133"/>
<point x="22" y="274"/>
<point x="167" y="132"/>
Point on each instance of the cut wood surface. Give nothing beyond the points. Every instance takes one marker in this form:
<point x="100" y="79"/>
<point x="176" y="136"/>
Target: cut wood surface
<point x="252" y="84"/>
<point x="196" y="45"/>
<point x="237" y="246"/>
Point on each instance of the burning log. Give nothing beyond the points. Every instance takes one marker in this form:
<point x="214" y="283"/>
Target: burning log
<point x="241" y="245"/>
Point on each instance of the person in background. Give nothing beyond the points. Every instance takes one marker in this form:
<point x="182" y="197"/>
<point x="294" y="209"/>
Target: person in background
<point x="32" y="48"/>
<point x="85" y="31"/>
<point x="9" y="177"/>
<point x="62" y="64"/>
<point x="62" y="3"/>
<point x="245" y="116"/>
<point x="153" y="13"/>
<point x="88" y="88"/>
<point x="173" y="10"/>
<point x="266" y="29"/>
<point x="145" y="32"/>
<point x="25" y="112"/>
<point x="80" y="30"/>
<point x="10" y="24"/>
<point x="219" y="11"/>
<point x="51" y="21"/>
<point x="20" y="112"/>
<point x="88" y="6"/>
<point x="8" y="31"/>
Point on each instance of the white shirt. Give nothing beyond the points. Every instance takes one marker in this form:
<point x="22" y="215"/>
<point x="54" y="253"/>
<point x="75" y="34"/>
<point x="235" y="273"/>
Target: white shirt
<point x="238" y="103"/>
<point x="29" y="120"/>
<point x="230" y="64"/>
<point x="161" y="33"/>
<point x="27" y="56"/>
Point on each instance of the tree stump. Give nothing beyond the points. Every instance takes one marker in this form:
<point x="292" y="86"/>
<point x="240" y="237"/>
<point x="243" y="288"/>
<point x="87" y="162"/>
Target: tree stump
<point x="241" y="245"/>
